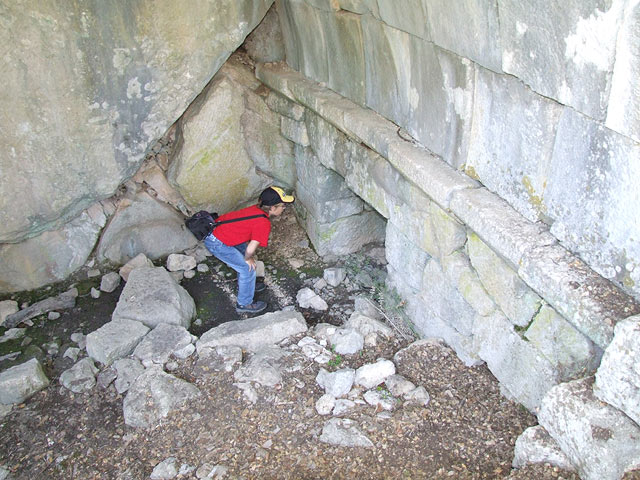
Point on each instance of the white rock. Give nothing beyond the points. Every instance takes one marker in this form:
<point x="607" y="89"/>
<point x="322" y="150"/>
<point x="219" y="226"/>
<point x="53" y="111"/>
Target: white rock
<point x="347" y="341"/>
<point x="337" y="383"/>
<point x="373" y="374"/>
<point x="95" y="293"/>
<point x="325" y="404"/>
<point x="53" y="315"/>
<point x="165" y="470"/>
<point x="22" y="381"/>
<point x="344" y="433"/>
<point x="398" y="385"/>
<point x="307" y="298"/>
<point x="110" y="282"/>
<point x="535" y="445"/>
<point x="177" y="261"/>
<point x="618" y="377"/>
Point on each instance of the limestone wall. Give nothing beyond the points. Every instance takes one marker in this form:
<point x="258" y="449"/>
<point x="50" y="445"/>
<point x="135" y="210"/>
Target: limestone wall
<point x="538" y="102"/>
<point x="473" y="270"/>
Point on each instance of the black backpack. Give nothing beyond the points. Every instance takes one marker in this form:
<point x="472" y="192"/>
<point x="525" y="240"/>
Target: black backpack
<point x="202" y="223"/>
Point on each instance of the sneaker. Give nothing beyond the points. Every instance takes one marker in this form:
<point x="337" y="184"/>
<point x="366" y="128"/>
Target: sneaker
<point x="260" y="287"/>
<point x="254" y="307"/>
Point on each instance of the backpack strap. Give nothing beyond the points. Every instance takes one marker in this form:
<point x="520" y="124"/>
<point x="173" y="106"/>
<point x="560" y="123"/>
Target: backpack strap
<point x="216" y="224"/>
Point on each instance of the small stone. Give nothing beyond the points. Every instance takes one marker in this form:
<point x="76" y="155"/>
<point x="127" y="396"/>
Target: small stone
<point x="325" y="404"/>
<point x="165" y="470"/>
<point x="71" y="353"/>
<point x="7" y="307"/>
<point x="380" y="398"/>
<point x="343" y="406"/>
<point x="202" y="268"/>
<point x="189" y="274"/>
<point x="80" y="339"/>
<point x="110" y="282"/>
<point x="177" y="261"/>
<point x="398" y="385"/>
<point x="95" y="293"/>
<point x="307" y="298"/>
<point x="53" y="315"/>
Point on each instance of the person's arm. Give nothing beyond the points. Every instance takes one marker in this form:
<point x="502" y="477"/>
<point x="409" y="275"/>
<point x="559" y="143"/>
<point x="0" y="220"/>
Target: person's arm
<point x="248" y="254"/>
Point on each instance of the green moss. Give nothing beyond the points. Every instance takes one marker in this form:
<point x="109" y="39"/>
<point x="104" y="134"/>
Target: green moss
<point x="469" y="170"/>
<point x="535" y="200"/>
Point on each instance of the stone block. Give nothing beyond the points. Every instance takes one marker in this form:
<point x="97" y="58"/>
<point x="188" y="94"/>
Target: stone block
<point x="267" y="148"/>
<point x="345" y="235"/>
<point x="599" y="440"/>
<point x="568" y="350"/>
<point x="152" y="296"/>
<point x="343" y="37"/>
<point x="284" y="106"/>
<point x="325" y="208"/>
<point x="458" y="269"/>
<point x="507" y="232"/>
<point x="618" y="378"/>
<point x="442" y="300"/>
<point x="371" y="375"/>
<point x="431" y="326"/>
<point x="80" y="378"/>
<point x="321" y="181"/>
<point x="589" y="302"/>
<point x="512" y="141"/>
<point x="479" y="40"/>
<point x="594" y="200"/>
<point x="516" y="300"/>
<point x="623" y="112"/>
<point x="412" y="17"/>
<point x="254" y="333"/>
<point x="564" y="51"/>
<point x="517" y="364"/>
<point x="115" y="340"/>
<point x="19" y="383"/>
<point x="294" y="130"/>
<point x="405" y="257"/>
<point x="265" y="43"/>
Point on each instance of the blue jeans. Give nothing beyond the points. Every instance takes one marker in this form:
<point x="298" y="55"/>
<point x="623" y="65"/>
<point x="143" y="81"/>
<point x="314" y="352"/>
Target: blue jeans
<point x="234" y="257"/>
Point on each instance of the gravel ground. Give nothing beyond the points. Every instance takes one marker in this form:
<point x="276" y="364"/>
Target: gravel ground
<point x="467" y="430"/>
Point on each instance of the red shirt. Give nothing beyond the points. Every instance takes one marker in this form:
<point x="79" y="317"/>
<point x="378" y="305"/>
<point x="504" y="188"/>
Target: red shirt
<point x="235" y="233"/>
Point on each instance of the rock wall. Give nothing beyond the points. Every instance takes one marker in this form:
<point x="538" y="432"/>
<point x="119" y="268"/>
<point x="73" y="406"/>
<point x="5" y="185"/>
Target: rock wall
<point x="537" y="102"/>
<point x="88" y="86"/>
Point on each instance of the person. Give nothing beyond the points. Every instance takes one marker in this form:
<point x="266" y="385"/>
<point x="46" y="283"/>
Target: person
<point x="235" y="243"/>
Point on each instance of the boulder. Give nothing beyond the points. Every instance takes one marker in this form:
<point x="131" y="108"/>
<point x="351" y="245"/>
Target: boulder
<point x="162" y="342"/>
<point x="127" y="371"/>
<point x="80" y="378"/>
<point x="263" y="367"/>
<point x="254" y="333"/>
<point x="153" y="395"/>
<point x="115" y="340"/>
<point x="21" y="382"/>
<point x="618" y="377"/>
<point x="152" y="296"/>
<point x="147" y="226"/>
<point x="599" y="440"/>
<point x="535" y="445"/>
<point x="127" y="93"/>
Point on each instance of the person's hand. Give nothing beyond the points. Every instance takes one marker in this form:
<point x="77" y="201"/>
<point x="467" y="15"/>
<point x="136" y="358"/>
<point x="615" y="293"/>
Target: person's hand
<point x="251" y="262"/>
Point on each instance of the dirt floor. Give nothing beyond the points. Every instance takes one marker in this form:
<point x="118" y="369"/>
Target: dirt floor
<point x="467" y="431"/>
